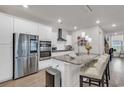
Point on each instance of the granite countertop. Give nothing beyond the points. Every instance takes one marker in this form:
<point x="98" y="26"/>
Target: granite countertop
<point x="77" y="60"/>
<point x="45" y="58"/>
<point x="60" y="50"/>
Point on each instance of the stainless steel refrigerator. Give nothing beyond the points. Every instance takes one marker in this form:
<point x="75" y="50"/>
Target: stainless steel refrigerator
<point x="25" y="54"/>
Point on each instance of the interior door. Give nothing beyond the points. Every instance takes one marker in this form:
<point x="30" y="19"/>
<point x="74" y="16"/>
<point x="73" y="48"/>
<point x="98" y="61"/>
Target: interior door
<point x="117" y="45"/>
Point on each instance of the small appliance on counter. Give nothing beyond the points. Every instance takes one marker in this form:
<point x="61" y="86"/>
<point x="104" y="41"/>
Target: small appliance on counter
<point x="25" y="54"/>
<point x="54" y="48"/>
<point x="68" y="47"/>
<point x="45" y="49"/>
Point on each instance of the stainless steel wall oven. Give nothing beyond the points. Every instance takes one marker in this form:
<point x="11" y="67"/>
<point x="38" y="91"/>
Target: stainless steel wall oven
<point x="45" y="49"/>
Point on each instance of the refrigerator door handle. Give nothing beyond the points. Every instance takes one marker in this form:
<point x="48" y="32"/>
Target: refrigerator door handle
<point x="28" y="65"/>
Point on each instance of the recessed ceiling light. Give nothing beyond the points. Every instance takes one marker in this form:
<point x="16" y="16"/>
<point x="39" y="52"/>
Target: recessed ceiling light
<point x="75" y="27"/>
<point x="113" y="25"/>
<point x="59" y="21"/>
<point x="25" y="6"/>
<point x="115" y="33"/>
<point x="98" y="22"/>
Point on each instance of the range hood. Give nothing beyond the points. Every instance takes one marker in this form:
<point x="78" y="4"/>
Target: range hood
<point x="60" y="38"/>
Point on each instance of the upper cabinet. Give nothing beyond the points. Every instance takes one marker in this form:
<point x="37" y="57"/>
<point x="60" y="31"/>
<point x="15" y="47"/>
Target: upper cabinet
<point x="6" y="28"/>
<point x="69" y="40"/>
<point x="45" y="32"/>
<point x="24" y="26"/>
<point x="64" y="34"/>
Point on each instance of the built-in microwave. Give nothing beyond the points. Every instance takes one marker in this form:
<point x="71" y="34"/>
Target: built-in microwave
<point x="45" y="49"/>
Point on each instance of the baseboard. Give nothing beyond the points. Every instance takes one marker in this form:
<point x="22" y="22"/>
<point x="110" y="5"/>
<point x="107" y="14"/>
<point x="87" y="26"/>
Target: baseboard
<point x="5" y="80"/>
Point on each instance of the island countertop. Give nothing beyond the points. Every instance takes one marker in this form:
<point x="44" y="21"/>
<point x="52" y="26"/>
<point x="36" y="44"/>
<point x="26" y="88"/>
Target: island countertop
<point x="77" y="60"/>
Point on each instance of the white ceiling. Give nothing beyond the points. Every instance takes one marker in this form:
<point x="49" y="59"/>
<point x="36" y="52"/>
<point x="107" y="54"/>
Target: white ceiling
<point x="72" y="15"/>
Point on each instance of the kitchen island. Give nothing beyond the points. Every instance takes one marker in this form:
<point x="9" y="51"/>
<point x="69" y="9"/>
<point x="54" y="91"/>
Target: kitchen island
<point x="70" y="68"/>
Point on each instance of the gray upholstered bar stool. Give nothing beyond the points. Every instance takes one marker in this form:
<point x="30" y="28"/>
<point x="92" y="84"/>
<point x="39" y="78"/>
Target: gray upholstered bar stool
<point x="96" y="72"/>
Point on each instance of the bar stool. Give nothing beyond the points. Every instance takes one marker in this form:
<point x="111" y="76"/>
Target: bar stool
<point x="96" y="73"/>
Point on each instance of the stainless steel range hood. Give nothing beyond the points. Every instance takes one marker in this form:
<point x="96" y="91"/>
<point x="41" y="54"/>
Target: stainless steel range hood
<point x="60" y="38"/>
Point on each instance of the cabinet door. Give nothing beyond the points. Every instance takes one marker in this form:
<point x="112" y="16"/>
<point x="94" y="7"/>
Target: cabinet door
<point x="24" y="26"/>
<point x="44" y="32"/>
<point x="5" y="63"/>
<point x="34" y="28"/>
<point x="21" y="26"/>
<point x="49" y="34"/>
<point x="69" y="41"/>
<point x="6" y="29"/>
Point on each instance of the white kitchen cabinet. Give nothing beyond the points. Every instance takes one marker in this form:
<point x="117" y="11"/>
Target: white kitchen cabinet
<point x="54" y="38"/>
<point x="49" y="34"/>
<point x="6" y="28"/>
<point x="24" y="26"/>
<point x="45" y="32"/>
<point x="64" y="34"/>
<point x="5" y="63"/>
<point x="69" y="40"/>
<point x="34" y="30"/>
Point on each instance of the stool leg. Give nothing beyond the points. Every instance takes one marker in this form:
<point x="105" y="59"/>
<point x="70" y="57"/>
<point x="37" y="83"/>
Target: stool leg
<point x="102" y="81"/>
<point x="108" y="71"/>
<point x="106" y="74"/>
<point x="99" y="83"/>
<point x="89" y="82"/>
<point x="81" y="81"/>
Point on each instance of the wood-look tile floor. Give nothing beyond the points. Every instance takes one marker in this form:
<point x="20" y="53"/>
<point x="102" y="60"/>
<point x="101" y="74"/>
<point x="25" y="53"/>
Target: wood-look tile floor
<point x="117" y="72"/>
<point x="34" y="80"/>
<point x="38" y="79"/>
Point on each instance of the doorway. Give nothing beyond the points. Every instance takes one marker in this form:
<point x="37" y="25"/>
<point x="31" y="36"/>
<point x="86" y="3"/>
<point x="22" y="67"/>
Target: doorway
<point x="117" y="43"/>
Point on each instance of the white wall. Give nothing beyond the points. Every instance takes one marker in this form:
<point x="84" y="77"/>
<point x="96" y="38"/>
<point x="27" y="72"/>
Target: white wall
<point x="8" y="25"/>
<point x="101" y="41"/>
<point x="97" y="36"/>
